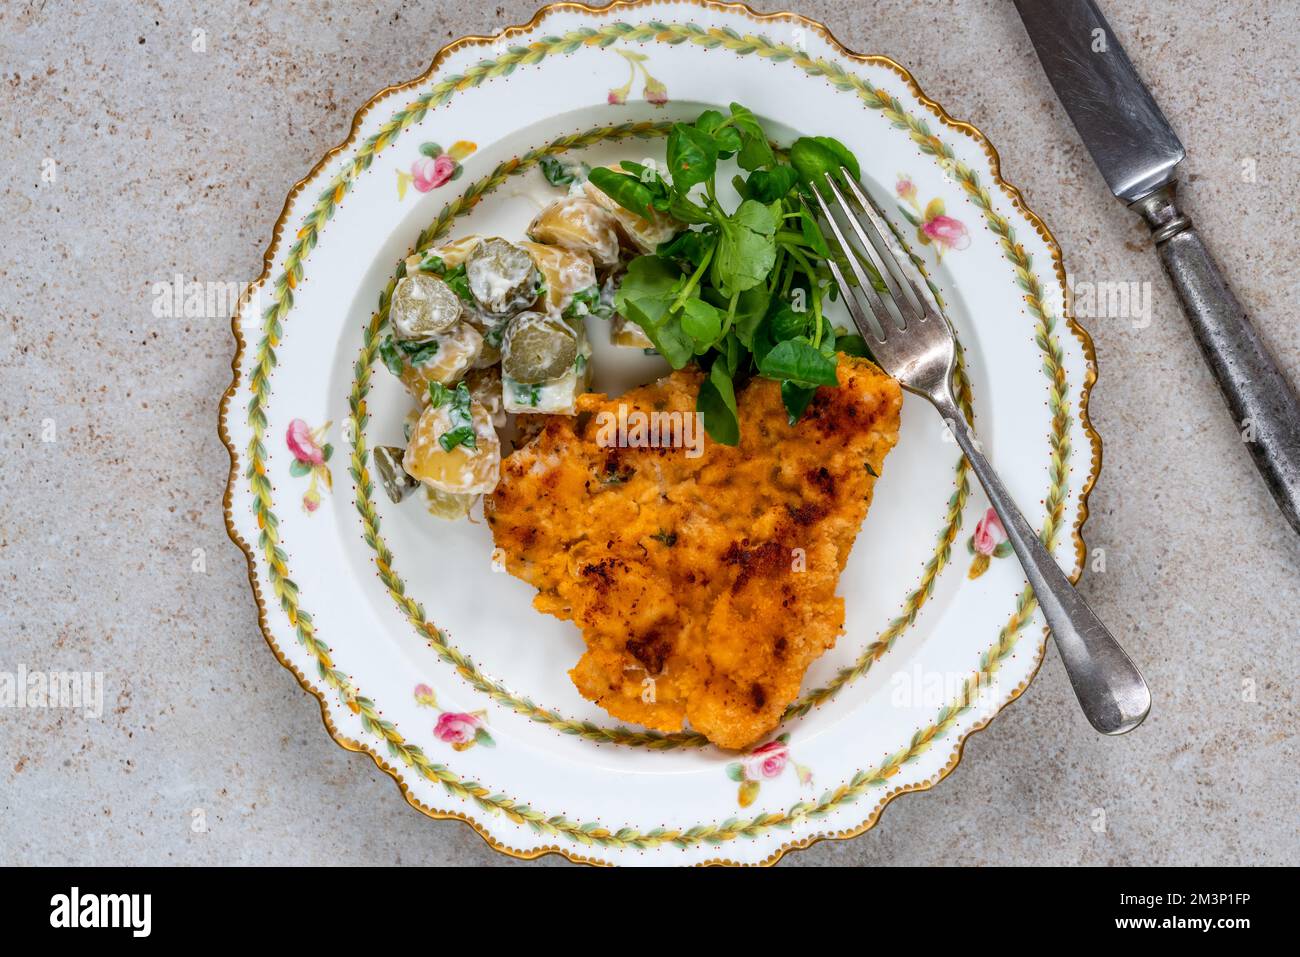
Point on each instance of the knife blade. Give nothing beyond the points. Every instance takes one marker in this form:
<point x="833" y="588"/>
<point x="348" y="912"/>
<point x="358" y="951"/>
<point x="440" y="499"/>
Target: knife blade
<point x="1129" y="138"/>
<point x="1138" y="154"/>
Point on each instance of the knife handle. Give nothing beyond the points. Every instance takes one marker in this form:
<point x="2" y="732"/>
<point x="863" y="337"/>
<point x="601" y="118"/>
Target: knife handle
<point x="1260" y="398"/>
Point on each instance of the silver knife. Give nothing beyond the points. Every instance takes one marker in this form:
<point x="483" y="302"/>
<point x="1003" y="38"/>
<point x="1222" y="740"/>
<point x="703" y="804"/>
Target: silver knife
<point x="1138" y="153"/>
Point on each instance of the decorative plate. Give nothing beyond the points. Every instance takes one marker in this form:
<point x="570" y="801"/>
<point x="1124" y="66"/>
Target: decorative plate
<point x="433" y="663"/>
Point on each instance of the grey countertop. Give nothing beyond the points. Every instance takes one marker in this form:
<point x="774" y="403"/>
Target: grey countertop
<point x="130" y="158"/>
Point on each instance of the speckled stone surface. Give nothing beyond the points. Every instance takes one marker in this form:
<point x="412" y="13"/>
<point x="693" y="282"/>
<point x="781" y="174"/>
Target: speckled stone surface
<point x="170" y="161"/>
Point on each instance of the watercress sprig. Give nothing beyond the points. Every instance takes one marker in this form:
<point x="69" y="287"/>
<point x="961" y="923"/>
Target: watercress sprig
<point x="740" y="292"/>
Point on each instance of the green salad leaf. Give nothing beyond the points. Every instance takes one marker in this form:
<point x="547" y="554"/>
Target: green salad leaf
<point x="799" y="361"/>
<point x="795" y="398"/>
<point x="625" y="189"/>
<point x="738" y="292"/>
<point x="815" y="156"/>
<point x="746" y="246"/>
<point x="692" y="156"/>
<point x="702" y="321"/>
<point x="717" y="406"/>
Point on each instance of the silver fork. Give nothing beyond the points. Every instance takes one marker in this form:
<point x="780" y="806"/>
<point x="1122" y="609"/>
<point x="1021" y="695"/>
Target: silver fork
<point x="915" y="345"/>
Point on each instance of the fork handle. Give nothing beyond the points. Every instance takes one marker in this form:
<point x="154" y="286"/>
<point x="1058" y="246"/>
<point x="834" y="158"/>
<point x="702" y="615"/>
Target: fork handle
<point x="1111" y="691"/>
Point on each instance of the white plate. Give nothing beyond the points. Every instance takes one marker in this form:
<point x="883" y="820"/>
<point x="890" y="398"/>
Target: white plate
<point x="437" y="666"/>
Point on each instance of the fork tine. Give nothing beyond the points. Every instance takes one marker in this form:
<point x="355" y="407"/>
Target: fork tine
<point x="879" y="252"/>
<point x="901" y="261"/>
<point x="869" y="331"/>
<point x="875" y="303"/>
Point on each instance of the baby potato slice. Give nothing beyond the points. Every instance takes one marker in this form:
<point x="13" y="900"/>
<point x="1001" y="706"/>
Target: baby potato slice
<point x="454" y="447"/>
<point x="555" y="397"/>
<point x="443" y="259"/>
<point x="538" y="348"/>
<point x="623" y="332"/>
<point x="485" y="388"/>
<point x="444" y="358"/>
<point x="643" y="234"/>
<point x="558" y="396"/>
<point x="422" y="305"/>
<point x="447" y="506"/>
<point x="493" y="330"/>
<point x="455" y="252"/>
<point x="565" y="272"/>
<point x="502" y="276"/>
<point x="578" y="224"/>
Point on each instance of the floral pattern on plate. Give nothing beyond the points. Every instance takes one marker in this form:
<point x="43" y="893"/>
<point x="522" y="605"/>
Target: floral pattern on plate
<point x="654" y="92"/>
<point x="933" y="225"/>
<point x="461" y="729"/>
<point x="765" y="763"/>
<point x="310" y="452"/>
<point x="988" y="542"/>
<point x="669" y="817"/>
<point x="435" y="167"/>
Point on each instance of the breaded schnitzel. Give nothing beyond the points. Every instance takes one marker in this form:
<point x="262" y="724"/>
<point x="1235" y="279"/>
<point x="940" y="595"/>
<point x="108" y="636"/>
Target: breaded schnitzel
<point x="704" y="586"/>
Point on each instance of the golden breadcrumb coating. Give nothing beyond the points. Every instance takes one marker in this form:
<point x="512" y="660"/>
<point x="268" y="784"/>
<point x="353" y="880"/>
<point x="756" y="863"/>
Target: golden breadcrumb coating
<point x="704" y="587"/>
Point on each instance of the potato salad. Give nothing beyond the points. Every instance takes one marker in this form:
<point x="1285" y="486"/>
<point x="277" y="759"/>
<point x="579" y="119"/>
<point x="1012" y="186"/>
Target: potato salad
<point x="483" y="328"/>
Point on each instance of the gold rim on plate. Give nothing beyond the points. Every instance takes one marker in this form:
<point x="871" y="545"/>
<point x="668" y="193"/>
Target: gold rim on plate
<point x="1012" y="193"/>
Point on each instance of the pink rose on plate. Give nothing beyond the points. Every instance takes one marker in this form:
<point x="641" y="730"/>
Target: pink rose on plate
<point x="989" y="533"/>
<point x="456" y="727"/>
<point x="430" y="172"/>
<point x="302" y="444"/>
<point x="947" y="232"/>
<point x="906" y="189"/>
<point x="767" y="761"/>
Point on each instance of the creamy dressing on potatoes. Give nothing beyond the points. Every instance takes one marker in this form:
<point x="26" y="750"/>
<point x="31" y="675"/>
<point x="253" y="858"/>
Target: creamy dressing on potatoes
<point x="578" y="224"/>
<point x="644" y="234"/>
<point x="460" y="470"/>
<point x="556" y="397"/>
<point x="564" y="271"/>
<point x="458" y="348"/>
<point x="575" y="244"/>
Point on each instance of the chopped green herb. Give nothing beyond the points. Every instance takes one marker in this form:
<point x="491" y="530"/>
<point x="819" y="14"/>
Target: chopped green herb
<point x="392" y="358"/>
<point x="527" y="393"/>
<point x="399" y="353"/>
<point x="496" y="333"/>
<point x="458" y="280"/>
<point x="418" y="353"/>
<point x="616" y="474"/>
<point x="560" y="173"/>
<point x="462" y="421"/>
<point x="585" y="302"/>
